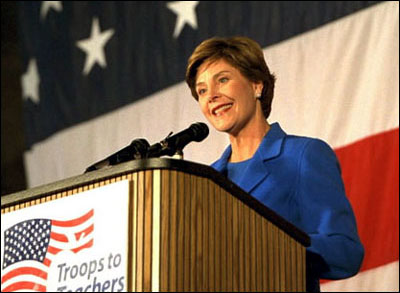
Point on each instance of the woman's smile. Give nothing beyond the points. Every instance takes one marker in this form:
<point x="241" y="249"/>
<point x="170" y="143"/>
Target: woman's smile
<point x="226" y="97"/>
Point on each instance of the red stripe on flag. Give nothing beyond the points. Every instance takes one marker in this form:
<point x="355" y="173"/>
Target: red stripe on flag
<point x="87" y="245"/>
<point x="58" y="237"/>
<point x="85" y="232"/>
<point x="74" y="222"/>
<point x="47" y="262"/>
<point x="53" y="250"/>
<point x="370" y="170"/>
<point x="24" y="271"/>
<point x="24" y="286"/>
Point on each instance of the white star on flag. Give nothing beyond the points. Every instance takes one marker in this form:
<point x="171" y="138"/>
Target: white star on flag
<point x="30" y="82"/>
<point x="46" y="5"/>
<point x="185" y="10"/>
<point x="94" y="46"/>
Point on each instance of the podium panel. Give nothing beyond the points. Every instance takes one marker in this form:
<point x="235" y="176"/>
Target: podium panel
<point x="190" y="229"/>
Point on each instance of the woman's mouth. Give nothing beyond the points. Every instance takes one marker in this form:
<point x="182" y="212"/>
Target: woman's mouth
<point x="220" y="109"/>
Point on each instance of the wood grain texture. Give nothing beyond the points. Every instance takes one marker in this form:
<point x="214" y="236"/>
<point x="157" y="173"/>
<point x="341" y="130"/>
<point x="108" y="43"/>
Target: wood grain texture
<point x="208" y="239"/>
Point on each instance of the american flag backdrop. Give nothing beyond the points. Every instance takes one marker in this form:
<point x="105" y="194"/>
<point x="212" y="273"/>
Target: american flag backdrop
<point x="99" y="74"/>
<point x="31" y="245"/>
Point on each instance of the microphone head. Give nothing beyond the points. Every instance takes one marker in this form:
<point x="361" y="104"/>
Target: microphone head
<point x="200" y="131"/>
<point x="173" y="144"/>
<point x="139" y="148"/>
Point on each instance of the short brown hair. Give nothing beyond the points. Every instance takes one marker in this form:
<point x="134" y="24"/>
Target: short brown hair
<point x="242" y="53"/>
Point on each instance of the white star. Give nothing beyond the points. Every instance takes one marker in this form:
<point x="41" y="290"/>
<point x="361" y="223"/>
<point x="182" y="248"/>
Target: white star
<point x="30" y="82"/>
<point x="46" y="5"/>
<point x="185" y="10"/>
<point x="94" y="46"/>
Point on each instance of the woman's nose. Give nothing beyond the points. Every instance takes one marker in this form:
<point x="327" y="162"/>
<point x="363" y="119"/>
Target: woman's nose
<point x="213" y="94"/>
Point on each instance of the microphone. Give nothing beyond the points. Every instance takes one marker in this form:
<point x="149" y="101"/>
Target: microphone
<point x="136" y="150"/>
<point x="172" y="145"/>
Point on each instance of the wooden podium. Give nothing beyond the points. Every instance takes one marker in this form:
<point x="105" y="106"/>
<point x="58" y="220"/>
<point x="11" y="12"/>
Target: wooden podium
<point x="191" y="229"/>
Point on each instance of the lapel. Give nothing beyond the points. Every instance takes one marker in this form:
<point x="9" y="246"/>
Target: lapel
<point x="257" y="170"/>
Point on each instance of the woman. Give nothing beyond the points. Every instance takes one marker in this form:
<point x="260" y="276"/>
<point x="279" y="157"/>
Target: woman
<point x="297" y="177"/>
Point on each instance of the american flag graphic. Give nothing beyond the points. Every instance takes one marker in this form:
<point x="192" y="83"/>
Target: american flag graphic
<point x="31" y="246"/>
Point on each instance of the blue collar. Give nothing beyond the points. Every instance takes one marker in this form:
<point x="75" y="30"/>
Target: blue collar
<point x="269" y="148"/>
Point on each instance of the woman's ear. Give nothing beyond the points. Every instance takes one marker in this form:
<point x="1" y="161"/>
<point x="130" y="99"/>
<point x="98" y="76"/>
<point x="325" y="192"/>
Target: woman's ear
<point x="258" y="87"/>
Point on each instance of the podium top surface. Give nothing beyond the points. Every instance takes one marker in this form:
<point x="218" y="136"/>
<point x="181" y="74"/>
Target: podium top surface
<point x="154" y="164"/>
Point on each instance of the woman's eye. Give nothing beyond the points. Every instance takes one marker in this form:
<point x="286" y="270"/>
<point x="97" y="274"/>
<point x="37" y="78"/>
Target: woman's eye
<point x="201" y="91"/>
<point x="223" y="79"/>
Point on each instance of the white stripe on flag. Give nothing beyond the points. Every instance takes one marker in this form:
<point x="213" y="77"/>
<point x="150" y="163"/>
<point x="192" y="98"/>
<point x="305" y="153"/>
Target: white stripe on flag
<point x="340" y="82"/>
<point x="70" y="151"/>
<point x="381" y="279"/>
<point x="23" y="277"/>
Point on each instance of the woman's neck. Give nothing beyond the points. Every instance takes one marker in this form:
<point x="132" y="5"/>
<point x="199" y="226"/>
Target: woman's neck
<point x="245" y="144"/>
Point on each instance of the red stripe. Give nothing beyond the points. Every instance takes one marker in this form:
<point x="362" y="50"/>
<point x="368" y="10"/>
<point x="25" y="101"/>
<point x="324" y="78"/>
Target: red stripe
<point x="24" y="286"/>
<point x="58" y="237"/>
<point x="24" y="271"/>
<point x="87" y="245"/>
<point x="74" y="222"/>
<point x="47" y="262"/>
<point x="53" y="250"/>
<point x="370" y="170"/>
<point x="85" y="232"/>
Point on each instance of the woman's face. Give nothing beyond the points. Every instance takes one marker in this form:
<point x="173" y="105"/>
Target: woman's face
<point x="226" y="97"/>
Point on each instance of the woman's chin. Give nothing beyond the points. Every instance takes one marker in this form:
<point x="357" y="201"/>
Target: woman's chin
<point x="223" y="127"/>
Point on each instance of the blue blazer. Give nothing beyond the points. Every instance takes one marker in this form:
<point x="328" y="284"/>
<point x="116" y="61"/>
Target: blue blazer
<point x="300" y="179"/>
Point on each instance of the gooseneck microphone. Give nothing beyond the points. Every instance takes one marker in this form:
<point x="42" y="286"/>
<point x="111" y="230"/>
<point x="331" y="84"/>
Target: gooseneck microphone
<point x="174" y="144"/>
<point x="136" y="150"/>
<point x="140" y="148"/>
